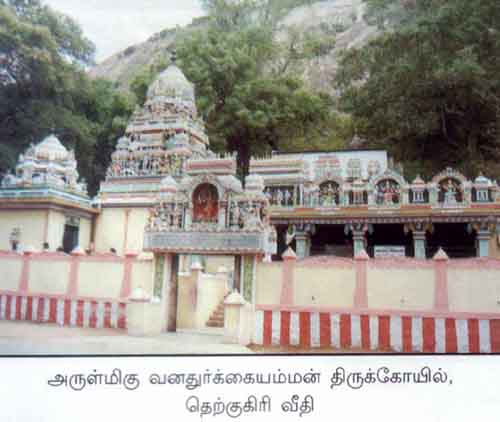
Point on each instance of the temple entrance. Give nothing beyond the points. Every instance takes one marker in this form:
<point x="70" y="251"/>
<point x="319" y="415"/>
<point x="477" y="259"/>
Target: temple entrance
<point x="454" y="238"/>
<point x="389" y="235"/>
<point x="194" y="299"/>
<point x="281" y="232"/>
<point x="71" y="235"/>
<point x="332" y="240"/>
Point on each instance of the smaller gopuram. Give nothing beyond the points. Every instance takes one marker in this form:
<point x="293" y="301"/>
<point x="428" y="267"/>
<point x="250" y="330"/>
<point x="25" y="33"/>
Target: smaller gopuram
<point x="43" y="204"/>
<point x="160" y="139"/>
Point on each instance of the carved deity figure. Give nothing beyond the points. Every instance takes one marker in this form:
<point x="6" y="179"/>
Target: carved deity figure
<point x="235" y="215"/>
<point x="450" y="192"/>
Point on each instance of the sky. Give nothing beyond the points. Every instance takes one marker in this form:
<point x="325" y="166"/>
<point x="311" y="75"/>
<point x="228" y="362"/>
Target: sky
<point x="113" y="25"/>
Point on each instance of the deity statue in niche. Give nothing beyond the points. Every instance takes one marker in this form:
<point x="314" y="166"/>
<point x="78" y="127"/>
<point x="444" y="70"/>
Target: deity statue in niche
<point x="387" y="192"/>
<point x="205" y="204"/>
<point x="450" y="190"/>
<point x="328" y="194"/>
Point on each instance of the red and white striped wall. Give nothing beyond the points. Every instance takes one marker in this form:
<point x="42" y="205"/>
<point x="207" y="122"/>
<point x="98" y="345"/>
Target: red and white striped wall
<point x="63" y="311"/>
<point x="428" y="334"/>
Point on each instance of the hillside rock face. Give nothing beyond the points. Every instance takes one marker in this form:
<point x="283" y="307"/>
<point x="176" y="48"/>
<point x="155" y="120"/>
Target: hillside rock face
<point x="345" y="17"/>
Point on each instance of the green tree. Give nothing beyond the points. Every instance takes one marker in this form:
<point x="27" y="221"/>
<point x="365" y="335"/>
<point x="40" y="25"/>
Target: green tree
<point x="248" y="87"/>
<point x="428" y="88"/>
<point x="44" y="88"/>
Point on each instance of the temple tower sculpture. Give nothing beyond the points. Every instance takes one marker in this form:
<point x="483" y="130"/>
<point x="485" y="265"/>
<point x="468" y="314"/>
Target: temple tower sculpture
<point x="43" y="204"/>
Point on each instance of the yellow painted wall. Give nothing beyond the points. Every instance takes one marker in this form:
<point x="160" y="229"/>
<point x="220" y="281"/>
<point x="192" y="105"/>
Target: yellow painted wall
<point x="186" y="309"/>
<point x="100" y="279"/>
<point x="213" y="263"/>
<point x="142" y="276"/>
<point x="210" y="292"/>
<point x="84" y="234"/>
<point x="268" y="288"/>
<point x="110" y="230"/>
<point x="55" y="232"/>
<point x="10" y="270"/>
<point x="136" y="223"/>
<point x="31" y="224"/>
<point x="473" y="290"/>
<point x="50" y="277"/>
<point x="401" y="289"/>
<point x="324" y="286"/>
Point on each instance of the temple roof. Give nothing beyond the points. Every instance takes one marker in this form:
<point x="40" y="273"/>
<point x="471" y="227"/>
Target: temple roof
<point x="50" y="149"/>
<point x="172" y="83"/>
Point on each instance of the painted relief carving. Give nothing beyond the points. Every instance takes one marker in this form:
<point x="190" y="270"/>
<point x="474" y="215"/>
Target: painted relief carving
<point x="205" y="204"/>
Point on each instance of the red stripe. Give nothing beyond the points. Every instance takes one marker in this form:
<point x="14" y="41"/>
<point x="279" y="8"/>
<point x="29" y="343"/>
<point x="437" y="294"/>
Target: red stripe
<point x="122" y="316"/>
<point x="365" y="332"/>
<point x="451" y="336"/>
<point x="473" y="326"/>
<point x="18" y="308"/>
<point x="53" y="310"/>
<point x="79" y="313"/>
<point x="107" y="315"/>
<point x="305" y="329"/>
<point x="324" y="329"/>
<point x="67" y="312"/>
<point x="285" y="329"/>
<point x="384" y="332"/>
<point x="93" y="315"/>
<point x="406" y="328"/>
<point x="268" y="327"/>
<point x="345" y="331"/>
<point x="41" y="306"/>
<point x="29" y="309"/>
<point x="7" y="307"/>
<point x="495" y="335"/>
<point x="429" y="335"/>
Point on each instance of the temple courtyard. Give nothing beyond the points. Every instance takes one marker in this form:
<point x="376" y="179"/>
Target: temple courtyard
<point x="23" y="338"/>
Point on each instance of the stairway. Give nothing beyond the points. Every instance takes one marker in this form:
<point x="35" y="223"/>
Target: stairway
<point x="217" y="317"/>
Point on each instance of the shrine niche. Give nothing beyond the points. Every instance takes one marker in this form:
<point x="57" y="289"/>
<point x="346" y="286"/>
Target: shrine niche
<point x="205" y="204"/>
<point x="387" y="192"/>
<point x="329" y="194"/>
<point x="450" y="191"/>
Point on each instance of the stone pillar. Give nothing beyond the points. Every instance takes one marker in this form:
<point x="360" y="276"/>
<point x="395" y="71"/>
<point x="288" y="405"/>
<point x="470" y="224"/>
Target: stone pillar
<point x="358" y="237"/>
<point x="172" y="294"/>
<point x="361" y="292"/>
<point x="126" y="288"/>
<point x="233" y="307"/>
<point x="483" y="240"/>
<point x="419" y="243"/>
<point x="248" y="275"/>
<point x="76" y="255"/>
<point x="143" y="314"/>
<point x="222" y="215"/>
<point x="289" y="259"/>
<point x="237" y="273"/>
<point x="188" y="218"/>
<point x="302" y="240"/>
<point x="441" y="281"/>
<point x="25" y="271"/>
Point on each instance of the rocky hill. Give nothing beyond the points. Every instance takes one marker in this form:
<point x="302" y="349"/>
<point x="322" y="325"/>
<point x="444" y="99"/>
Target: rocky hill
<point x="342" y="16"/>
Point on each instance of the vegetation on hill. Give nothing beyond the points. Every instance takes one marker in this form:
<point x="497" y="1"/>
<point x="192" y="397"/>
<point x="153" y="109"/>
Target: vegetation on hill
<point x="428" y="88"/>
<point x="248" y="83"/>
<point x="44" y="88"/>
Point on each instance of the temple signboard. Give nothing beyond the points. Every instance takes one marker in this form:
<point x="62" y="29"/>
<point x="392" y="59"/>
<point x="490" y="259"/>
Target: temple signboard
<point x="389" y="251"/>
<point x="205" y="242"/>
